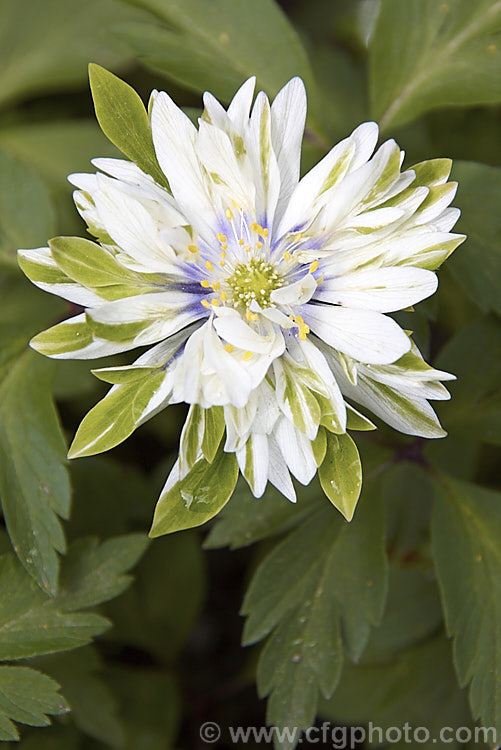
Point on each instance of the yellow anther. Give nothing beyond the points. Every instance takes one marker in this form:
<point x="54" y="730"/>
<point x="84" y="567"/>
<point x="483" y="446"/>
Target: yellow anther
<point x="247" y="248"/>
<point x="254" y="226"/>
<point x="193" y="248"/>
<point x="287" y="255"/>
<point x="299" y="236"/>
<point x="229" y="348"/>
<point x="215" y="302"/>
<point x="222" y="255"/>
<point x="241" y="241"/>
<point x="314" y="266"/>
<point x="247" y="355"/>
<point x="259" y="245"/>
<point x="235" y="204"/>
<point x="205" y="304"/>
<point x="302" y="334"/>
<point x="299" y="319"/>
<point x="216" y="286"/>
<point x="320" y="279"/>
<point x="228" y="214"/>
<point x="221" y="237"/>
<point x="222" y="263"/>
<point x="224" y="246"/>
<point x="205" y="283"/>
<point x="223" y="296"/>
<point x="208" y="265"/>
<point x="250" y="315"/>
<point x="266" y="232"/>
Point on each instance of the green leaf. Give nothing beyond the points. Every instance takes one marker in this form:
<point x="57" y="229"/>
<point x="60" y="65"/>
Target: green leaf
<point x="427" y="54"/>
<point x="31" y="623"/>
<point x="198" y="497"/>
<point x="325" y="583"/>
<point x="124" y="120"/>
<point x="341" y="474"/>
<point x="413" y="612"/>
<point x="474" y="355"/>
<point x="93" y="706"/>
<point x="466" y="532"/>
<point x="53" y="51"/>
<point x="26" y="212"/>
<point x="27" y="696"/>
<point x="477" y="266"/>
<point x="34" y="484"/>
<point x="247" y="519"/>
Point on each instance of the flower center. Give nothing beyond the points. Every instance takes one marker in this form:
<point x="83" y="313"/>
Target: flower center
<point x="254" y="280"/>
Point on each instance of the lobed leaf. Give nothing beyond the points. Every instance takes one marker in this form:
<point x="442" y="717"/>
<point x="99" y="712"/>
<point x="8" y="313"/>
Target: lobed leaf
<point x="426" y="54"/>
<point x="27" y="697"/>
<point x="466" y="528"/>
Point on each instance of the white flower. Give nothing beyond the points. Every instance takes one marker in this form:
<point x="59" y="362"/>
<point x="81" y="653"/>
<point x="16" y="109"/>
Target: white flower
<point x="262" y="294"/>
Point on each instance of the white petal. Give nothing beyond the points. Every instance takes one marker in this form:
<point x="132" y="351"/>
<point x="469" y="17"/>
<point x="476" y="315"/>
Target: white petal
<point x="381" y="290"/>
<point x="239" y="109"/>
<point x="365" y="139"/>
<point x="264" y="161"/>
<point x="366" y="336"/>
<point x="233" y="329"/>
<point x="253" y="462"/>
<point x="298" y="293"/>
<point x="216" y="153"/>
<point x="278" y="472"/>
<point x="132" y="227"/>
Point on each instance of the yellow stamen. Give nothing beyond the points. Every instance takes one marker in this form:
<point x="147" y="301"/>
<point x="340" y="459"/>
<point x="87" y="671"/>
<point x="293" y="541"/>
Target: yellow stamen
<point x="266" y="232"/>
<point x="320" y="279"/>
<point x="247" y="355"/>
<point x="259" y="245"/>
<point x="221" y="237"/>
<point x="250" y="315"/>
<point x="254" y="227"/>
<point x="205" y="283"/>
<point x="223" y="296"/>
<point x="193" y="248"/>
<point x="247" y="248"/>
<point x="216" y="286"/>
<point x="235" y="204"/>
<point x="208" y="265"/>
<point x="224" y="246"/>
<point x="229" y="348"/>
<point x="205" y="304"/>
<point x="241" y="241"/>
<point x="228" y="214"/>
<point x="222" y="255"/>
<point x="314" y="266"/>
<point x="215" y="302"/>
<point x="222" y="263"/>
<point x="287" y="255"/>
